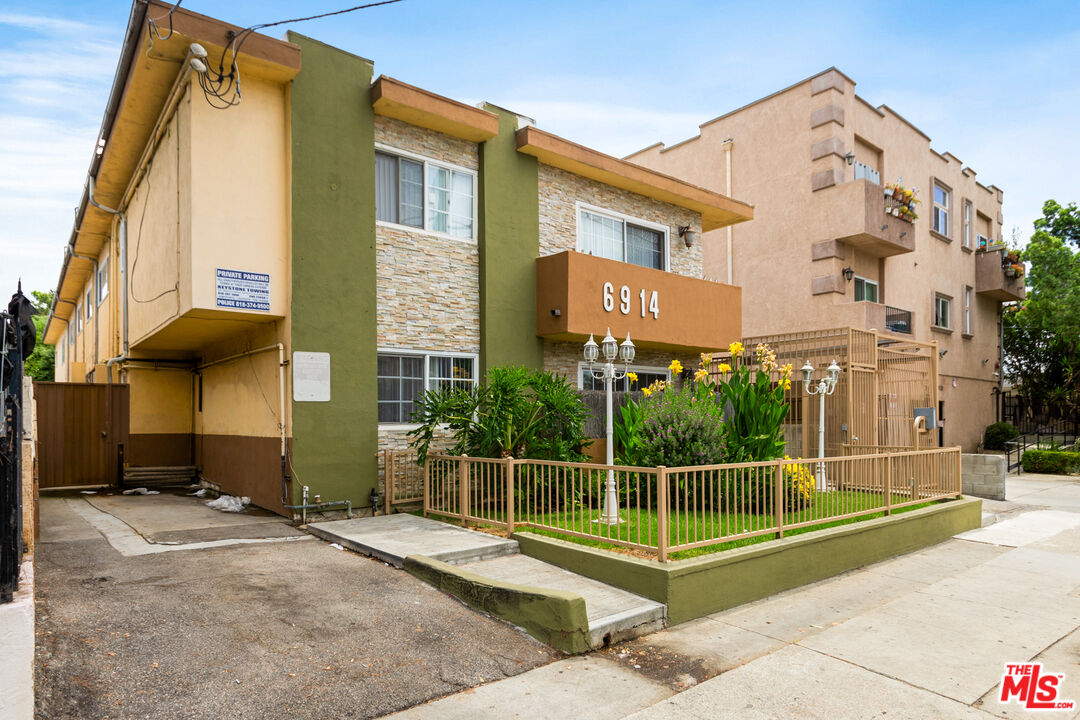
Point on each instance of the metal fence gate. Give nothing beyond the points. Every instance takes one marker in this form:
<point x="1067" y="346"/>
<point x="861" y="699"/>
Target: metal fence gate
<point x="82" y="432"/>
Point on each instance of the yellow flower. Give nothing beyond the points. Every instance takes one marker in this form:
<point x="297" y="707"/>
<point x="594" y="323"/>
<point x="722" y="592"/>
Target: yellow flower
<point x="706" y="360"/>
<point x="675" y="367"/>
<point x="787" y="383"/>
<point x="735" y="348"/>
<point x="632" y="377"/>
<point x="647" y="392"/>
<point x="724" y="368"/>
<point x="701" y="374"/>
<point x="786" y="370"/>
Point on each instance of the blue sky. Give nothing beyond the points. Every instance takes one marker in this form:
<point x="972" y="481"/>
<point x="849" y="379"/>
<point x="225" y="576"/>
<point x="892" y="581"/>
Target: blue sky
<point x="996" y="84"/>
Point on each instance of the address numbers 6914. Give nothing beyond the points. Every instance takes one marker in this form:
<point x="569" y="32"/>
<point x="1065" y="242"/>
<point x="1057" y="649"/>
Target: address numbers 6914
<point x="649" y="301"/>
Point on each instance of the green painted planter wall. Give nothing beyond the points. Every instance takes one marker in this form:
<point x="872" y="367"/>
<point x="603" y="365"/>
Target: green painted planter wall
<point x="333" y="269"/>
<point x="710" y="583"/>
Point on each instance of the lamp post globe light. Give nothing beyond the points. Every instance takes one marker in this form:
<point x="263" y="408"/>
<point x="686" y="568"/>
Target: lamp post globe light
<point x="606" y="371"/>
<point x="826" y="386"/>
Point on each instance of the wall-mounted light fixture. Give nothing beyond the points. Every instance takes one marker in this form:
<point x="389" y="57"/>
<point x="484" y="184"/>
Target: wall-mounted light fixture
<point x="942" y="353"/>
<point x="848" y="273"/>
<point x="884" y="227"/>
<point x="985" y="360"/>
<point x="687" y="234"/>
<point x="903" y="234"/>
<point x="850" y="157"/>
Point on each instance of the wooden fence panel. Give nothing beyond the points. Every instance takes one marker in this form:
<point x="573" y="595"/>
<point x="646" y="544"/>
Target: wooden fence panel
<point x="81" y="430"/>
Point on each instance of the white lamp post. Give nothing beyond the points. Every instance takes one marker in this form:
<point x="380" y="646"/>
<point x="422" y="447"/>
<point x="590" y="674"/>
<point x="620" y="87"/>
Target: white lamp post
<point x="609" y="375"/>
<point x="826" y="386"/>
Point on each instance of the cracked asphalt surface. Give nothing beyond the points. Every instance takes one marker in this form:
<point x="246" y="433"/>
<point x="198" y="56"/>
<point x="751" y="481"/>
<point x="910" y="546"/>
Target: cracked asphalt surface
<point x="276" y="630"/>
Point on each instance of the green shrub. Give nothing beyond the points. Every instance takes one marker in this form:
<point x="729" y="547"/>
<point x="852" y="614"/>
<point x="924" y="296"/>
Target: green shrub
<point x="680" y="428"/>
<point x="516" y="412"/>
<point x="1050" y="461"/>
<point x="998" y="434"/>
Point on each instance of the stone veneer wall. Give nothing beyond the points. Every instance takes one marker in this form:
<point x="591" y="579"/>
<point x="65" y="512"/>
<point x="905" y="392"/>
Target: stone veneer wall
<point x="560" y="191"/>
<point x="428" y="285"/>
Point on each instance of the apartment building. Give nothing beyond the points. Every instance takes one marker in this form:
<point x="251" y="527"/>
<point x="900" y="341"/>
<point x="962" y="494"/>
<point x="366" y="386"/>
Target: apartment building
<point x="278" y="280"/>
<point x="834" y="245"/>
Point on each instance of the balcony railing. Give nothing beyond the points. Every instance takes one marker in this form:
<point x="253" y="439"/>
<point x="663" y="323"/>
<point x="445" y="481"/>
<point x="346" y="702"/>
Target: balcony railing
<point x="865" y="172"/>
<point x="897" y="320"/>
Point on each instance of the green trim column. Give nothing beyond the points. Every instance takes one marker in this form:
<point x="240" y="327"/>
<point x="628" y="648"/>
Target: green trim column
<point x="333" y="269"/>
<point x="509" y="244"/>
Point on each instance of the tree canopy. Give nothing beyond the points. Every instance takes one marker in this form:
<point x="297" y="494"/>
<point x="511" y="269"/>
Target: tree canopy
<point x="1042" y="334"/>
<point x="41" y="365"/>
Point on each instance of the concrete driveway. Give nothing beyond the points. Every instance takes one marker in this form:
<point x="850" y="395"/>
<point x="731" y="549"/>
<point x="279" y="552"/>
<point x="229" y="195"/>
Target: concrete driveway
<point x="924" y="635"/>
<point x="157" y="607"/>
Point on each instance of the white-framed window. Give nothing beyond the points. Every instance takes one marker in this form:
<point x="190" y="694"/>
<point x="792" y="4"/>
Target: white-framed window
<point x="103" y="279"/>
<point x="78" y="321"/>
<point x="967" y="309"/>
<point x="942" y="308"/>
<point x="646" y="376"/>
<point x="425" y="194"/>
<point x="60" y="352"/>
<point x="967" y="224"/>
<point x="942" y="202"/>
<point x="615" y="236"/>
<point x="865" y="290"/>
<point x="405" y="375"/>
<point x="89" y="304"/>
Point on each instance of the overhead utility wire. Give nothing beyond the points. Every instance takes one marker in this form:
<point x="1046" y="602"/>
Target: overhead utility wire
<point x="221" y="87"/>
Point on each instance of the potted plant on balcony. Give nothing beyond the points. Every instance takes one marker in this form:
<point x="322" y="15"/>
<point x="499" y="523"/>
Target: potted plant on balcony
<point x="890" y="190"/>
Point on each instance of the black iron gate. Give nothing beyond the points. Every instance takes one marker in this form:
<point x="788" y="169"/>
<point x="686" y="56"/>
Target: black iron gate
<point x="17" y="338"/>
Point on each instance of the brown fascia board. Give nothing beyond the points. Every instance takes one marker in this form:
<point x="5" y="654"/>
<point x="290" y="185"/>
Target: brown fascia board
<point x="416" y="106"/>
<point x="717" y="210"/>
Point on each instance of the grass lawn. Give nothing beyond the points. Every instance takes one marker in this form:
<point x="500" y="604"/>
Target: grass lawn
<point x="640" y="526"/>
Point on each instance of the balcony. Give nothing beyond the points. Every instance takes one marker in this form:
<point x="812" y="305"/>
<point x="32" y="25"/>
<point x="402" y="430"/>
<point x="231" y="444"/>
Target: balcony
<point x="854" y="212"/>
<point x="578" y="295"/>
<point x="866" y="315"/>
<point x="994" y="277"/>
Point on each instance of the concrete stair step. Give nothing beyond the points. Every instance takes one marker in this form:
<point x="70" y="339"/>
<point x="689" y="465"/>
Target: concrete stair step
<point x="392" y="538"/>
<point x="614" y="615"/>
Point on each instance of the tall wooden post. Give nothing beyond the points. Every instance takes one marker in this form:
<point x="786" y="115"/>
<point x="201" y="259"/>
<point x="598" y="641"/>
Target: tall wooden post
<point x="778" y="500"/>
<point x="463" y="489"/>
<point x="662" y="510"/>
<point x="509" y="496"/>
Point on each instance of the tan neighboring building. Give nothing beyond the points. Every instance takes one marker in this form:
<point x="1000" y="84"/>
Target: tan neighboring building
<point x="826" y="249"/>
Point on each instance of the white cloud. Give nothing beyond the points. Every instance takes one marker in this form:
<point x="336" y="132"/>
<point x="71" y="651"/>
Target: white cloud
<point x="54" y="80"/>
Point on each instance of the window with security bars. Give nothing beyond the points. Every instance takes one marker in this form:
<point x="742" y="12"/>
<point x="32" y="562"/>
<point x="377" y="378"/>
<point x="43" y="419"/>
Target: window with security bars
<point x="403" y="377"/>
<point x="617" y="239"/>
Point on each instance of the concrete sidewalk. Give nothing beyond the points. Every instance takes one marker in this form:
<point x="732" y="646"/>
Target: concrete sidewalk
<point x="924" y="635"/>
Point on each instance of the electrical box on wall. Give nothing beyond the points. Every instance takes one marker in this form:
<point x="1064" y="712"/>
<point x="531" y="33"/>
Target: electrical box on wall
<point x="930" y="414"/>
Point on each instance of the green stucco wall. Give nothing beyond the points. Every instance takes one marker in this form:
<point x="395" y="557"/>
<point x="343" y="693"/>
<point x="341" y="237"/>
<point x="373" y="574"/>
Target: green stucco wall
<point x="509" y="245"/>
<point x="556" y="617"/>
<point x="333" y="269"/>
<point x="711" y="583"/>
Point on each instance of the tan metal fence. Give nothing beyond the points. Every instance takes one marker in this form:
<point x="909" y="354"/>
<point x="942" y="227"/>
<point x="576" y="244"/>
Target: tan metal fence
<point x="665" y="510"/>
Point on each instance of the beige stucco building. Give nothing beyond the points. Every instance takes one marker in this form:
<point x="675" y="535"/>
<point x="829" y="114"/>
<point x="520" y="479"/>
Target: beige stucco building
<point x="826" y="249"/>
